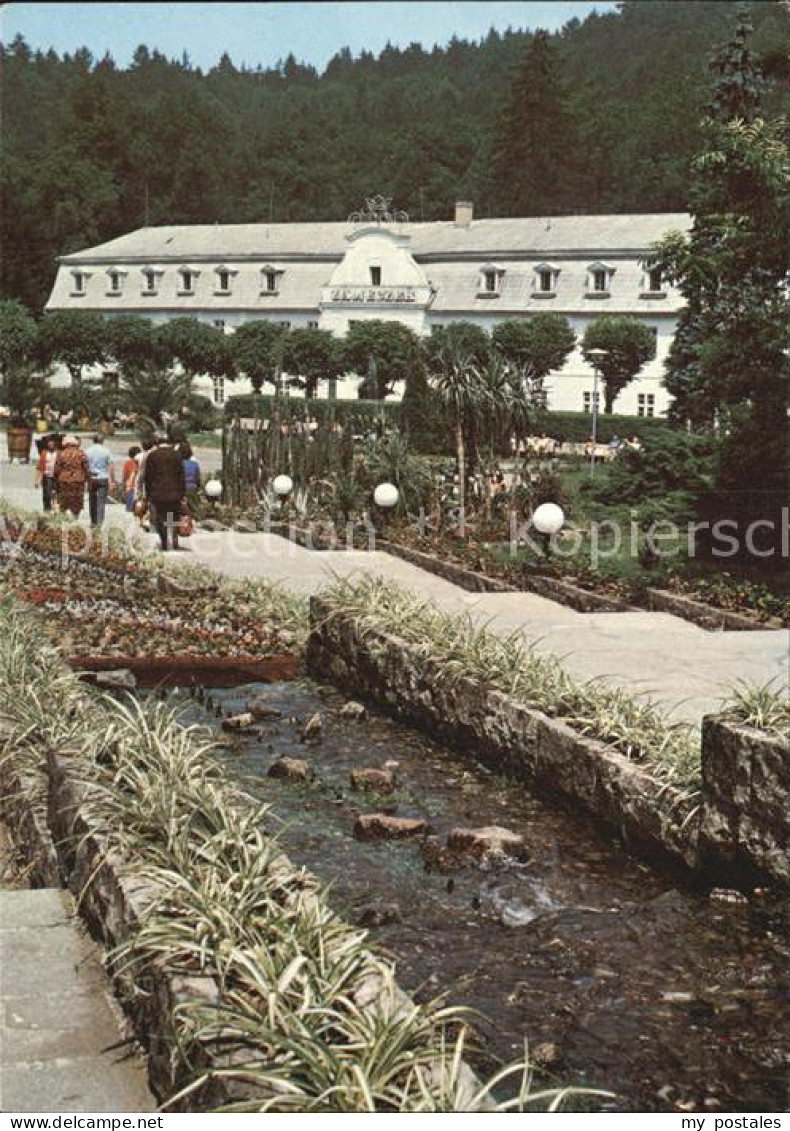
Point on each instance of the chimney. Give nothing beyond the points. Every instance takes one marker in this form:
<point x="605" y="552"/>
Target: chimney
<point x="464" y="212"/>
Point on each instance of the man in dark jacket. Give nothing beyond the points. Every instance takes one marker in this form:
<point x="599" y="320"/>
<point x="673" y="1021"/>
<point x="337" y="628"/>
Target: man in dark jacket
<point x="165" y="488"/>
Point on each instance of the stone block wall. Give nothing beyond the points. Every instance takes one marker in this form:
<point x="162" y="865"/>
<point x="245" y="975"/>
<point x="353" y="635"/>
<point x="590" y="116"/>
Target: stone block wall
<point x="736" y="832"/>
<point x="650" y="815"/>
<point x="745" y="826"/>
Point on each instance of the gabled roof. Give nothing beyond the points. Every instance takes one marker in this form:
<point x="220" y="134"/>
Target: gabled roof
<point x="588" y="235"/>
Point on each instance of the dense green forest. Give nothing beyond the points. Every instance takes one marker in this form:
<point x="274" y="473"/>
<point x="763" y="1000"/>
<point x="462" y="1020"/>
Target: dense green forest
<point x="92" y="150"/>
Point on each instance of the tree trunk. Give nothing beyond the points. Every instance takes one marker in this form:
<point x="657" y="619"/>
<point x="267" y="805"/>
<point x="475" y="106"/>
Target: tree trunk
<point x="609" y="396"/>
<point x="459" y="440"/>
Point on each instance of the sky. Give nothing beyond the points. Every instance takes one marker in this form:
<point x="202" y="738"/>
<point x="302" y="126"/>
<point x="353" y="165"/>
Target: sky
<point x="264" y="33"/>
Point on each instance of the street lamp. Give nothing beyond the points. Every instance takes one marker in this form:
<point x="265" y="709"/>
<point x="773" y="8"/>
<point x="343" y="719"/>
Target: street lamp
<point x="596" y="356"/>
<point x="548" y="519"/>
<point x="282" y="485"/>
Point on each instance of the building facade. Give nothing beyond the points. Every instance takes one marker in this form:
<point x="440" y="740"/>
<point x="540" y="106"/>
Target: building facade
<point x="379" y="266"/>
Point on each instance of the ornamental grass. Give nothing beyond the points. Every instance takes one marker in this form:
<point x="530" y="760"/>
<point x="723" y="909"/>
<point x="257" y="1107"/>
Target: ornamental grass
<point x="669" y="751"/>
<point x="310" y="1017"/>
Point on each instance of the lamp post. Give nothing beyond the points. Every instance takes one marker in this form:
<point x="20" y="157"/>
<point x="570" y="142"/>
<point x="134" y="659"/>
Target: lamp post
<point x="213" y="491"/>
<point x="548" y="519"/>
<point x="385" y="497"/>
<point x="596" y="356"/>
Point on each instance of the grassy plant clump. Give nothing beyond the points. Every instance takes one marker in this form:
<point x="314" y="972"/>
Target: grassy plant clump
<point x="766" y="708"/>
<point x="310" y="1017"/>
<point x="669" y="751"/>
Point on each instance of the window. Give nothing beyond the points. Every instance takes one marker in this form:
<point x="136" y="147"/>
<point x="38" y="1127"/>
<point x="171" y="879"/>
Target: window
<point x="375" y="276"/>
<point x="284" y="325"/>
<point x="312" y="324"/>
<point x="587" y="403"/>
<point x="646" y="404"/>
<point x="490" y="280"/>
<point x="599" y="279"/>
<point x="655" y="284"/>
<point x="331" y="390"/>
<point x="78" y="285"/>
<point x="218" y="389"/>
<point x="545" y="278"/>
<point x="187" y="279"/>
<point x="110" y="381"/>
<point x="149" y="281"/>
<point x="224" y="276"/>
<point x="115" y="282"/>
<point x="540" y="398"/>
<point x="270" y="280"/>
<point x="219" y="324"/>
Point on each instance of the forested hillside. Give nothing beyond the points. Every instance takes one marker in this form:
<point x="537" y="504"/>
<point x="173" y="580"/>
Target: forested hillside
<point x="92" y="150"/>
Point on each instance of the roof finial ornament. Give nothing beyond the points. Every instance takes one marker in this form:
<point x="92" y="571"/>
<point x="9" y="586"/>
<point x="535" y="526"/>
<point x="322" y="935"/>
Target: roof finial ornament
<point x="378" y="210"/>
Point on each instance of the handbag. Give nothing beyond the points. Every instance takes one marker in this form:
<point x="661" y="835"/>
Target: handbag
<point x="185" y="526"/>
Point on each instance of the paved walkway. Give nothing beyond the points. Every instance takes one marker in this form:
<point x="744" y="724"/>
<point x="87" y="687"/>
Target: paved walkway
<point x="680" y="666"/>
<point x="61" y="1042"/>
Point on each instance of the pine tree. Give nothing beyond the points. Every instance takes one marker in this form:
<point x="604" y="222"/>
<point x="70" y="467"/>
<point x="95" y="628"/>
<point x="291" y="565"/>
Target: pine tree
<point x="531" y="164"/>
<point x="730" y="360"/>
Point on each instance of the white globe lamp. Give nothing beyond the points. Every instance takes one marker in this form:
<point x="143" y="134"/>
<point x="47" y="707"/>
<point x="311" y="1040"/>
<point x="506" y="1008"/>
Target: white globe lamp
<point x="386" y="495"/>
<point x="283" y="485"/>
<point x="548" y="518"/>
<point x="213" y="489"/>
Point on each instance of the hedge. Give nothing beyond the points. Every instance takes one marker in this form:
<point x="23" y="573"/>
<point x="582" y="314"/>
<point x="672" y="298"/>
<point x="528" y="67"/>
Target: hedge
<point x="365" y="412"/>
<point x="573" y="427"/>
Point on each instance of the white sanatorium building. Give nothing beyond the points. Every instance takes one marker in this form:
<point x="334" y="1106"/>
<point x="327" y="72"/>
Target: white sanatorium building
<point x="328" y="275"/>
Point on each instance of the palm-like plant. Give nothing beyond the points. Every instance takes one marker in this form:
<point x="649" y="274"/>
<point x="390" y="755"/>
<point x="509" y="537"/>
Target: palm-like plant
<point x="151" y="392"/>
<point x="462" y="388"/>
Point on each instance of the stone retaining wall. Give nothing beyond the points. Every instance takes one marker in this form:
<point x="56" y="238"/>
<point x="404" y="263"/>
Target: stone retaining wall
<point x="24" y="811"/>
<point x="737" y="831"/>
<point x="566" y="593"/>
<point x="514" y="738"/>
<point x="706" y="616"/>
<point x="450" y="571"/>
<point x="746" y="817"/>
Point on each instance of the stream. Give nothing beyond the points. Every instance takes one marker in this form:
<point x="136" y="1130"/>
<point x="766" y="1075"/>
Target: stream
<point x="618" y="975"/>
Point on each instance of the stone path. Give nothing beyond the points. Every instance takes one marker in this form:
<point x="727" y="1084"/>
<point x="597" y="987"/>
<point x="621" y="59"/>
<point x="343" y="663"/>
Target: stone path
<point x="61" y="1043"/>
<point x="678" y="665"/>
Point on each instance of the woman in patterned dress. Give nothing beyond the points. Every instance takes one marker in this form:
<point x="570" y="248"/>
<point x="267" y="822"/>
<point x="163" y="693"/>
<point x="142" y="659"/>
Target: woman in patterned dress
<point x="71" y="475"/>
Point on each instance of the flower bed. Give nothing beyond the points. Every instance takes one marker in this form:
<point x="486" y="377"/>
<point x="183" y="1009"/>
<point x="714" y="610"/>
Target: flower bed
<point x="100" y="604"/>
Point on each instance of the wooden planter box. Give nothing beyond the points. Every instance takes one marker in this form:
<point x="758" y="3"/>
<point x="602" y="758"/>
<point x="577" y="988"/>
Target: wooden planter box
<point x="184" y="670"/>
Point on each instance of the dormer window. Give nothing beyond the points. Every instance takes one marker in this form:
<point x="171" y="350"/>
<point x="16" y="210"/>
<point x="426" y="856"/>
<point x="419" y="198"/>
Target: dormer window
<point x="375" y="276"/>
<point x="653" y="283"/>
<point x="224" y="275"/>
<point x="79" y="281"/>
<point x="187" y="277"/>
<point x="490" y="282"/>
<point x="115" y="277"/>
<point x="599" y="280"/>
<point x="546" y="279"/>
<point x="270" y="280"/>
<point x="151" y="280"/>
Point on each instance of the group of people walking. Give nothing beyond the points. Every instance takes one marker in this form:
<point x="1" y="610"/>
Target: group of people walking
<point x="156" y="479"/>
